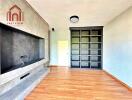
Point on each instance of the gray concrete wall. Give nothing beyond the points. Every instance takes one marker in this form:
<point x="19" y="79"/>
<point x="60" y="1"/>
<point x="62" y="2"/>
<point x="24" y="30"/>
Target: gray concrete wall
<point x="33" y="24"/>
<point x="19" y="49"/>
<point x="0" y="50"/>
<point x="6" y="49"/>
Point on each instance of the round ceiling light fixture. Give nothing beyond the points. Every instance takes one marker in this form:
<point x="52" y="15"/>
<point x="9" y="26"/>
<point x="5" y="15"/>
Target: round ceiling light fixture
<point x="74" y="19"/>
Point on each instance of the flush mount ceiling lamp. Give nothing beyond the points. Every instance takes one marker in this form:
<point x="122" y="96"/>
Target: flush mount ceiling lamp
<point x="74" y="19"/>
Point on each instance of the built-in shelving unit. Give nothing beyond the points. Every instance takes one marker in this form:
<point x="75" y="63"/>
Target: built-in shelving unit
<point x="86" y="47"/>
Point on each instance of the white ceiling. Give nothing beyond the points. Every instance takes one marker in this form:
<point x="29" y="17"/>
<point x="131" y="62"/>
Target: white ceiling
<point x="91" y="12"/>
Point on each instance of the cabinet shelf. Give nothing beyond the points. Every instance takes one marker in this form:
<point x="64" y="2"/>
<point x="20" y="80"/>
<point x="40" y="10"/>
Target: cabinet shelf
<point x="89" y="42"/>
<point x="89" y="49"/>
<point x="86" y="48"/>
<point x="90" y="35"/>
<point x="95" y="42"/>
<point x="95" y="61"/>
<point x="75" y="36"/>
<point x="76" y="43"/>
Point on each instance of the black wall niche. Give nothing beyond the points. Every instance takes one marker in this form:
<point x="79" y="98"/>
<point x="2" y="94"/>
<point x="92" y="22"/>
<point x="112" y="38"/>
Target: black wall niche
<point x="0" y="50"/>
<point x="18" y="48"/>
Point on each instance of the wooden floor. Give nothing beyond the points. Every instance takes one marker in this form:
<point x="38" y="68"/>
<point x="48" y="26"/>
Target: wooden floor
<point x="74" y="84"/>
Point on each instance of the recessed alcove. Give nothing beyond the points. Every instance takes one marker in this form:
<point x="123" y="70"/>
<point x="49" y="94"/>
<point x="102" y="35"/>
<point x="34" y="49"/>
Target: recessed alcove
<point x="18" y="48"/>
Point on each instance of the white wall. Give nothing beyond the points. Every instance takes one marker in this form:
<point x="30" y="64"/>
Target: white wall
<point x="55" y="54"/>
<point x="117" y="50"/>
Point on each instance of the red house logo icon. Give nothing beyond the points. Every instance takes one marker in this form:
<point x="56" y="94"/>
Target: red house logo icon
<point x="15" y="15"/>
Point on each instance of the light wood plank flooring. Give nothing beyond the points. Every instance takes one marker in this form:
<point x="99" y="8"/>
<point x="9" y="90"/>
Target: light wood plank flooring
<point x="75" y="84"/>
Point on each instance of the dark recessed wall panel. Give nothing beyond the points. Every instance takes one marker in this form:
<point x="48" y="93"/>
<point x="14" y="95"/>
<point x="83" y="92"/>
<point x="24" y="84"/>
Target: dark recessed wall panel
<point x="6" y="50"/>
<point x="19" y="49"/>
<point x="0" y="50"/>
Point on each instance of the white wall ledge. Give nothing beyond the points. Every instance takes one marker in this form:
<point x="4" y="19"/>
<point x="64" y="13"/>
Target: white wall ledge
<point x="20" y="91"/>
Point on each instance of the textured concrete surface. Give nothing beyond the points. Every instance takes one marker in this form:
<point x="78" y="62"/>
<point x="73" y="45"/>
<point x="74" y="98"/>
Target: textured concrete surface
<point x="33" y="24"/>
<point x="26" y="85"/>
<point x="19" y="49"/>
<point x="6" y="50"/>
<point x="0" y="50"/>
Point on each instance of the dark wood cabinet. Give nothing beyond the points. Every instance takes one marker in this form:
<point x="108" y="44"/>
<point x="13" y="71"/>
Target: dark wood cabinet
<point x="86" y="47"/>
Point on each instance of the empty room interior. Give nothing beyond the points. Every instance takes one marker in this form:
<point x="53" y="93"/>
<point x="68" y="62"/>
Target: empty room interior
<point x="65" y="49"/>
